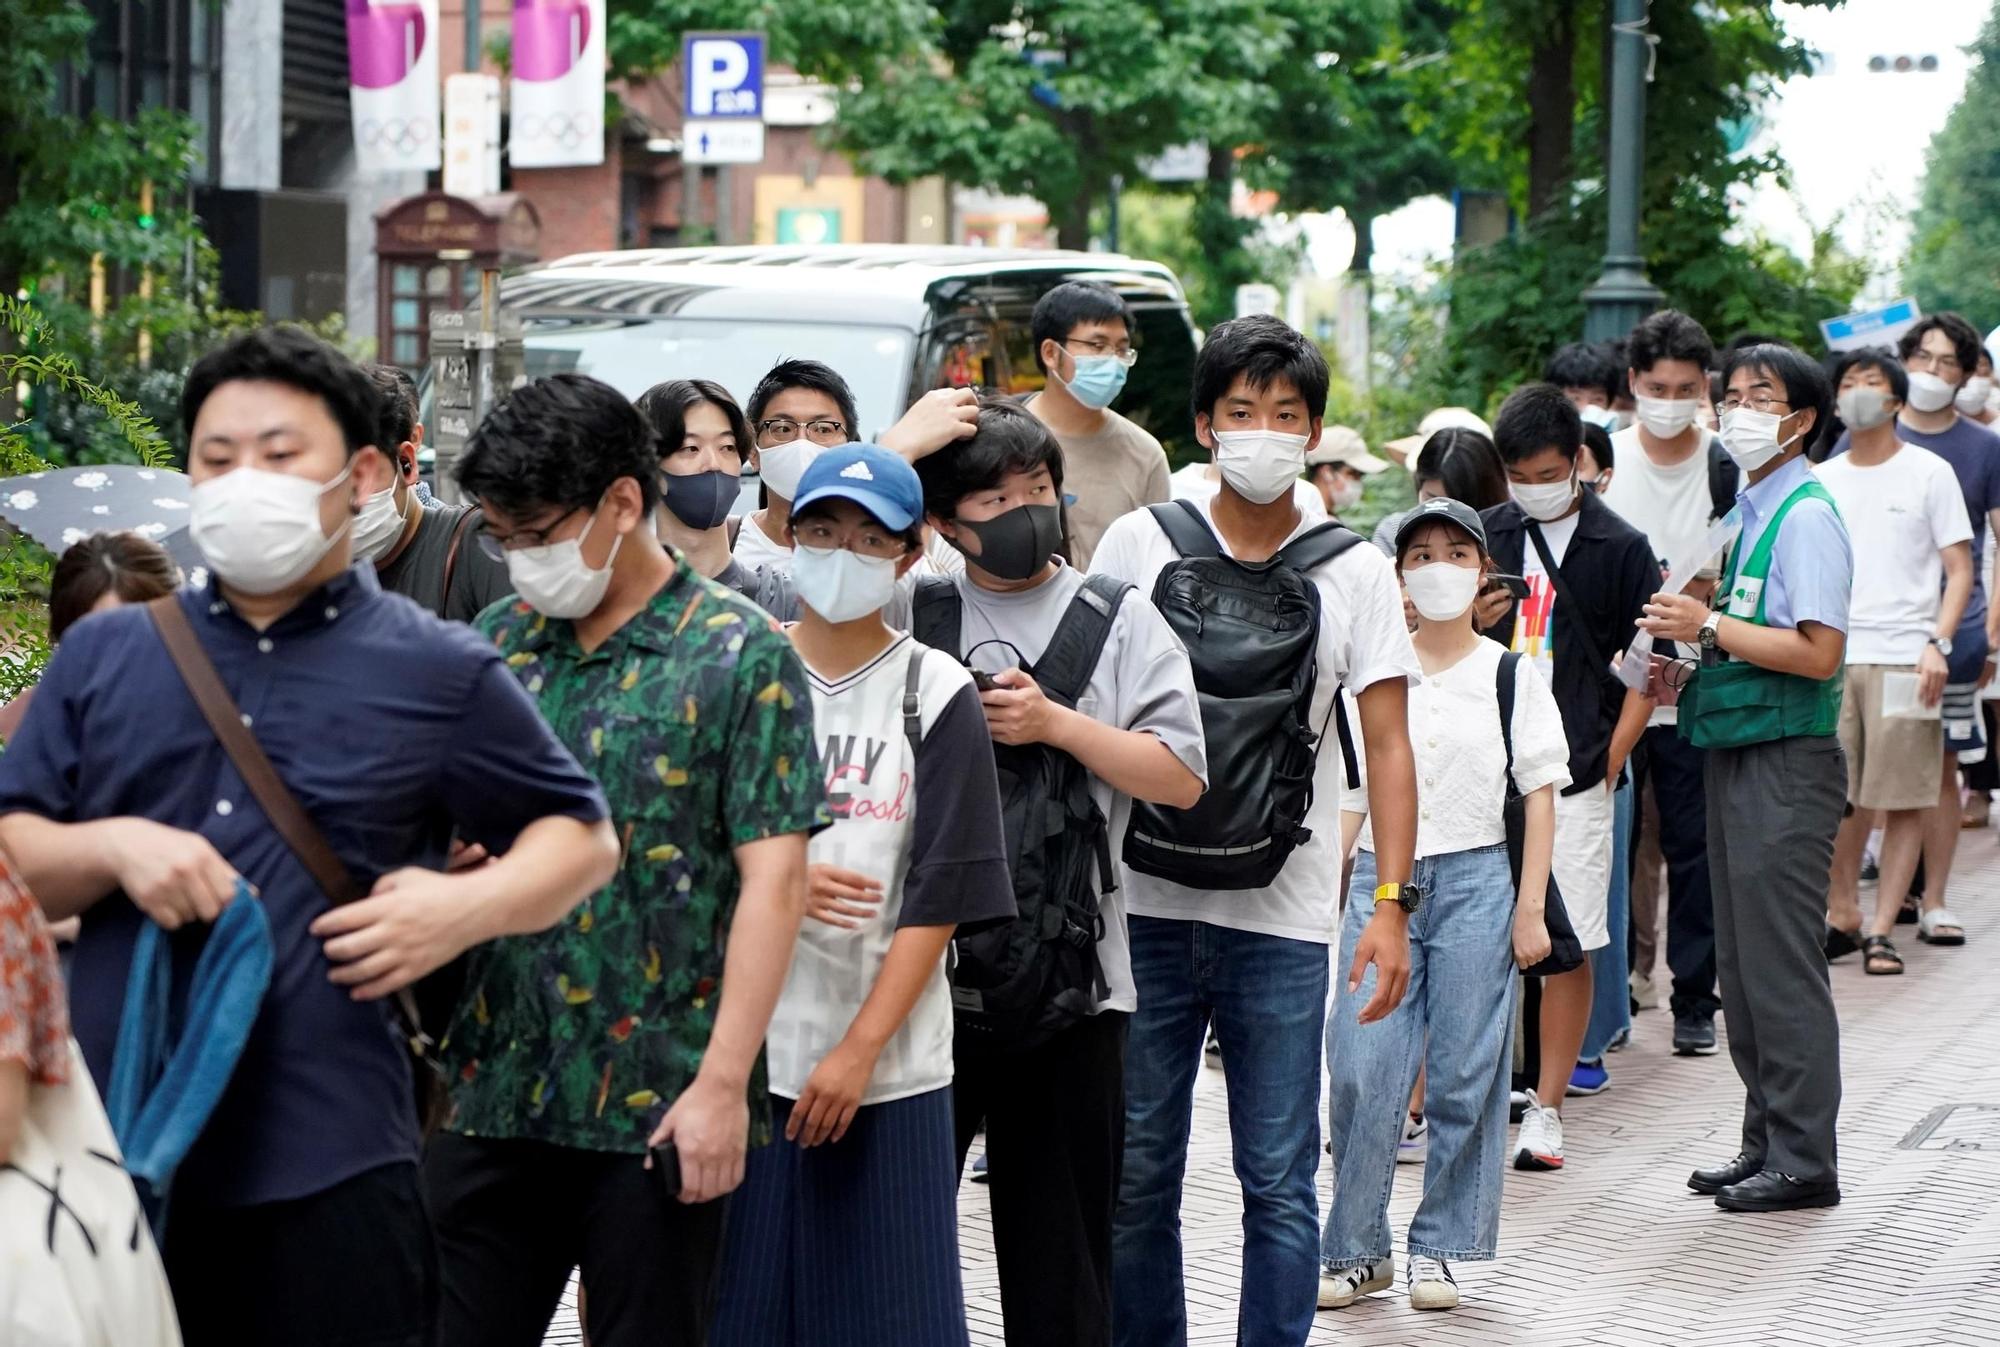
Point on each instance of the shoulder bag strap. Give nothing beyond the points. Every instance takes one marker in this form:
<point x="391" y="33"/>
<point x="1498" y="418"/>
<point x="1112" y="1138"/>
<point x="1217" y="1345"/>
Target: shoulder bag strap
<point x="733" y="526"/>
<point x="466" y="523"/>
<point x="1567" y="598"/>
<point x="280" y="806"/>
<point x="1072" y="653"/>
<point x="1505" y="677"/>
<point x="913" y="707"/>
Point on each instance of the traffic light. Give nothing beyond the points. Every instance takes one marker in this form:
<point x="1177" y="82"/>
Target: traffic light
<point x="1903" y="65"/>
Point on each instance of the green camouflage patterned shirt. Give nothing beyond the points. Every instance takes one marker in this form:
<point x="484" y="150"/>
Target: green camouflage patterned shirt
<point x="696" y="719"/>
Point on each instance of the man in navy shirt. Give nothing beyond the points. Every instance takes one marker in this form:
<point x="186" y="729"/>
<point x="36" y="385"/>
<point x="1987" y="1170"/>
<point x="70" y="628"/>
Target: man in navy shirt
<point x="297" y="1218"/>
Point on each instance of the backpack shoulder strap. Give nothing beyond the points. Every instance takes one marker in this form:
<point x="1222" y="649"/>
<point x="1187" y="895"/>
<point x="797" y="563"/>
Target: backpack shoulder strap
<point x="1072" y="653"/>
<point x="1505" y="677"/>
<point x="1190" y="534"/>
<point x="733" y="526"/>
<point x="467" y="522"/>
<point x="1723" y="479"/>
<point x="913" y="705"/>
<point x="937" y="615"/>
<point x="1314" y="549"/>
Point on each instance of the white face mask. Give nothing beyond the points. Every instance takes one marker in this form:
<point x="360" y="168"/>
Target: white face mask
<point x="1928" y="393"/>
<point x="378" y="527"/>
<point x="1751" y="437"/>
<point x="1259" y="465"/>
<point x="1442" y="591"/>
<point x="1545" y="500"/>
<point x="841" y="585"/>
<point x="1666" y="417"/>
<point x="556" y="581"/>
<point x="1346" y="494"/>
<point x="1602" y="417"/>
<point x="782" y="465"/>
<point x="1862" y="407"/>
<point x="1972" y="398"/>
<point x="259" y="531"/>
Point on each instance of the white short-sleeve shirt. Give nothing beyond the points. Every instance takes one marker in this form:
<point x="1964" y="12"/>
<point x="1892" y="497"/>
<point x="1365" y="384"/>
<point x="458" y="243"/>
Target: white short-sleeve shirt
<point x="1362" y="641"/>
<point x="1900" y="515"/>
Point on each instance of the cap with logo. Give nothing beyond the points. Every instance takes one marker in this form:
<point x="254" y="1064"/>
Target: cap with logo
<point x="1343" y="444"/>
<point x="1441" y="509"/>
<point x="878" y="481"/>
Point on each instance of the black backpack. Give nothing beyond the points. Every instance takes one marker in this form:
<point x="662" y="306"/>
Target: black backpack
<point x="1251" y="630"/>
<point x="1017" y="984"/>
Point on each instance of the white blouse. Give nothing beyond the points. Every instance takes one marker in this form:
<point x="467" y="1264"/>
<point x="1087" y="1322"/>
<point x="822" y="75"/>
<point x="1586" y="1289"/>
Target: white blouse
<point x="1461" y="760"/>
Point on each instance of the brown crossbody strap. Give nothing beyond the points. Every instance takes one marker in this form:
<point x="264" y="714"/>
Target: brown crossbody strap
<point x="466" y="523"/>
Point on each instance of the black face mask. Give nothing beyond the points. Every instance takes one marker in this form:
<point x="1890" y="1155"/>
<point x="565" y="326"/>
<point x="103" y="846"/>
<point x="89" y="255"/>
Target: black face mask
<point x="701" y="500"/>
<point x="1017" y="544"/>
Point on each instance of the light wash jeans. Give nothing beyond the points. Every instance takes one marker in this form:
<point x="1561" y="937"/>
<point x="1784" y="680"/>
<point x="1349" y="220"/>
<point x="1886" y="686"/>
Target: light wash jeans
<point x="1461" y="998"/>
<point x="1610" y="969"/>
<point x="1267" y="998"/>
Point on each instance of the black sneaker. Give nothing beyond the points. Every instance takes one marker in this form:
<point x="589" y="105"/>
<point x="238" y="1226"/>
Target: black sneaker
<point x="1694" y="1035"/>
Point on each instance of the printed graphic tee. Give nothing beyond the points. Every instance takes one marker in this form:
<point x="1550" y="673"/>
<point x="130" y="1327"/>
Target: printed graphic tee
<point x="1534" y="631"/>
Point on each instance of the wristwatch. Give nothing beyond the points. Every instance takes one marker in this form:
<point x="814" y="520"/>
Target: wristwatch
<point x="1942" y="645"/>
<point x="1709" y="630"/>
<point x="1406" y="896"/>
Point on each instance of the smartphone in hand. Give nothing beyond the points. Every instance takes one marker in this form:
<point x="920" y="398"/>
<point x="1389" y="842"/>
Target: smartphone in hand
<point x="1513" y="584"/>
<point x="667" y="1170"/>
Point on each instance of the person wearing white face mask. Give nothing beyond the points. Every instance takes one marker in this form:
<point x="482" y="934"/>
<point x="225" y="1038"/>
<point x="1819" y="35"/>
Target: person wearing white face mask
<point x="592" y="1057"/>
<point x="390" y="730"/>
<point x="847" y="1221"/>
<point x="1903" y="508"/>
<point x="1589" y="574"/>
<point x="1338" y="469"/>
<point x="422" y="548"/>
<point x="1474" y="923"/>
<point x="1979" y="395"/>
<point x="1765" y="704"/>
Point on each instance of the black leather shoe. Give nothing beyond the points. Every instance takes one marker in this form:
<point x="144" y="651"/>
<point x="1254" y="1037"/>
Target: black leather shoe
<point x="1769" y="1190"/>
<point x="1713" y="1181"/>
<point x="1694" y="1035"/>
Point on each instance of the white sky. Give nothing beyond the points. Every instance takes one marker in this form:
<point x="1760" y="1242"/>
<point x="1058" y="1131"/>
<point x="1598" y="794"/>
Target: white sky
<point x="1855" y="142"/>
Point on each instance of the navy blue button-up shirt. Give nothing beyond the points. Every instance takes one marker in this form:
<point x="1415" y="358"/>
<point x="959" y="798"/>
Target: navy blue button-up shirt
<point x="394" y="730"/>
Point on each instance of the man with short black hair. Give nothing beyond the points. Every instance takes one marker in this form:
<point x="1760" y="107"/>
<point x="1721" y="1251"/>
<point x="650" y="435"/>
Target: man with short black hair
<point x="1589" y="575"/>
<point x="1252" y="957"/>
<point x="640" y="1022"/>
<point x="298" y="1215"/>
<point x="1587" y="373"/>
<point x="1083" y="344"/>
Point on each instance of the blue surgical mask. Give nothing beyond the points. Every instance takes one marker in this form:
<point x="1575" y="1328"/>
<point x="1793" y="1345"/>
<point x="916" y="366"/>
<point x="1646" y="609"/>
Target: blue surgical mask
<point x="1099" y="380"/>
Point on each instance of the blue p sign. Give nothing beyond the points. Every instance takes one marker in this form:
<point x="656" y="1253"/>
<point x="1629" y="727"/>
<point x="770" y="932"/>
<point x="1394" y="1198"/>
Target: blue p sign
<point x="725" y="74"/>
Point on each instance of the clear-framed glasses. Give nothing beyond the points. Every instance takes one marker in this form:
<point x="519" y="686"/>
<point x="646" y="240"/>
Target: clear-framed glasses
<point x="1945" y="365"/>
<point x="823" y="430"/>
<point x="1096" y="346"/>
<point x="521" y="540"/>
<point x="1756" y="402"/>
<point x="868" y="539"/>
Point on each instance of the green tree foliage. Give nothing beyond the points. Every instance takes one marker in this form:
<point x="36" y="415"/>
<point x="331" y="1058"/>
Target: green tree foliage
<point x="1954" y="260"/>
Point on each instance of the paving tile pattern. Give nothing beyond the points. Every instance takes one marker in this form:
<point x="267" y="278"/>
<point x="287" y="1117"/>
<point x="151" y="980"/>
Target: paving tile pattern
<point x="1615" y="1251"/>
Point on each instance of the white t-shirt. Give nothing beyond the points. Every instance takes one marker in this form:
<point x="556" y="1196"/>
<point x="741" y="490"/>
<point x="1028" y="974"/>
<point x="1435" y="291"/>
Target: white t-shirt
<point x="1195" y="483"/>
<point x="1462" y="760"/>
<point x="1534" y="627"/>
<point x="926" y="827"/>
<point x="1899" y="515"/>
<point x="1671" y="506"/>
<point x="1142" y="682"/>
<point x="1362" y="641"/>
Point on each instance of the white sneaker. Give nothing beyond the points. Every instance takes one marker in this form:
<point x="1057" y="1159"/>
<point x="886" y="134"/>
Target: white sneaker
<point x="1431" y="1285"/>
<point x="1540" y="1145"/>
<point x="1415" y="1146"/>
<point x="1343" y="1286"/>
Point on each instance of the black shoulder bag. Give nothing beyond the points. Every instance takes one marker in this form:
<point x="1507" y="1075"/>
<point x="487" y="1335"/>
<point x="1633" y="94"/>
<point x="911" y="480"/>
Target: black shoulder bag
<point x="1565" y="951"/>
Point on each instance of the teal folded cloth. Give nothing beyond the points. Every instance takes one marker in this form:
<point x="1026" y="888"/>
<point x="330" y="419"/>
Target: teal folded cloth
<point x="175" y="1053"/>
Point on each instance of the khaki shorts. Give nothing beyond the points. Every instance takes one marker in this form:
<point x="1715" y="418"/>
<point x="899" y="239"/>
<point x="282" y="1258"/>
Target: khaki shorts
<point x="1891" y="764"/>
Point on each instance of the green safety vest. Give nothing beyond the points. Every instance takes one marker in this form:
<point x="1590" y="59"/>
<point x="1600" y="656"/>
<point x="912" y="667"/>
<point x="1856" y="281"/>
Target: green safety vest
<point x="1732" y="703"/>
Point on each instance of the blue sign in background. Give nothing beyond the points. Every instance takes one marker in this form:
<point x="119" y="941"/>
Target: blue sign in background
<point x="1858" y="324"/>
<point x="723" y="75"/>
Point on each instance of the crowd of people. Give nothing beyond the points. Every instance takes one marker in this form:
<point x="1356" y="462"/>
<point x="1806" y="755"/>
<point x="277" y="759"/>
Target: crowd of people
<point x="719" y="882"/>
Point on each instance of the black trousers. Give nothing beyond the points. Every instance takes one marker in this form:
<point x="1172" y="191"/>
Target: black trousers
<point x="1672" y="770"/>
<point x="1055" y="1133"/>
<point x="513" y="1217"/>
<point x="353" y="1266"/>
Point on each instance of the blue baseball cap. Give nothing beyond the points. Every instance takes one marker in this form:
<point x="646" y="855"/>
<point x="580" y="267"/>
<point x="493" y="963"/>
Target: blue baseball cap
<point x="878" y="481"/>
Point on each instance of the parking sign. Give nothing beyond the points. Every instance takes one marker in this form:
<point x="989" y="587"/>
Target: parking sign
<point x="724" y="75"/>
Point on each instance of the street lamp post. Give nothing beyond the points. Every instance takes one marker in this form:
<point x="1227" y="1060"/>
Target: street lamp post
<point x="1623" y="295"/>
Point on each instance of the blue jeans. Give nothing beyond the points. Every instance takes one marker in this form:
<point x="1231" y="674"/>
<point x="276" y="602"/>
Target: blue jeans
<point x="1267" y="997"/>
<point x="1610" y="969"/>
<point x="1461" y="999"/>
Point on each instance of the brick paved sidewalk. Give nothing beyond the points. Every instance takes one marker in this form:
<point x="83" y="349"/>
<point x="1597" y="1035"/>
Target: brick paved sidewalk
<point x="1614" y="1249"/>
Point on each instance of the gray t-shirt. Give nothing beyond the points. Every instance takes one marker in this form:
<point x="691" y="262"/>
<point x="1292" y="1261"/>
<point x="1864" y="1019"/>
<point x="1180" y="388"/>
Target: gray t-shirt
<point x="477" y="580"/>
<point x="1143" y="682"/>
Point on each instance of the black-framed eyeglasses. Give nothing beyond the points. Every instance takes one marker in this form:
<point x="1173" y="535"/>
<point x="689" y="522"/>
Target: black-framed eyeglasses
<point x="823" y="430"/>
<point x="522" y="540"/>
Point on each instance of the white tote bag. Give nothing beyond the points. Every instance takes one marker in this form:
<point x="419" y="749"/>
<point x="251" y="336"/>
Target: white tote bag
<point x="77" y="1262"/>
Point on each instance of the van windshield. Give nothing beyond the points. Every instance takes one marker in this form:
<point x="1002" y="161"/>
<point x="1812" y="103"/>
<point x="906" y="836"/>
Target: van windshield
<point x="736" y="353"/>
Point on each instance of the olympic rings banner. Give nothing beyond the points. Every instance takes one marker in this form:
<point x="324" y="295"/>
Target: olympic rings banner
<point x="392" y="63"/>
<point x="558" y="87"/>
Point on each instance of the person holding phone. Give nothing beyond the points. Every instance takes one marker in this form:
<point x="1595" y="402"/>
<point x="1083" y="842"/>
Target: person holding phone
<point x="1466" y="938"/>
<point x="1589" y="574"/>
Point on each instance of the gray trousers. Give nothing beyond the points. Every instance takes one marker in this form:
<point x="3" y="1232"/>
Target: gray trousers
<point x="1773" y="810"/>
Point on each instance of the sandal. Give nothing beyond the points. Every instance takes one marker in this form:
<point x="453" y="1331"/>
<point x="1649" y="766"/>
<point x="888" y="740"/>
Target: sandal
<point x="1879" y="956"/>
<point x="1938" y="927"/>
<point x="1840" y="943"/>
<point x="1911" y="910"/>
